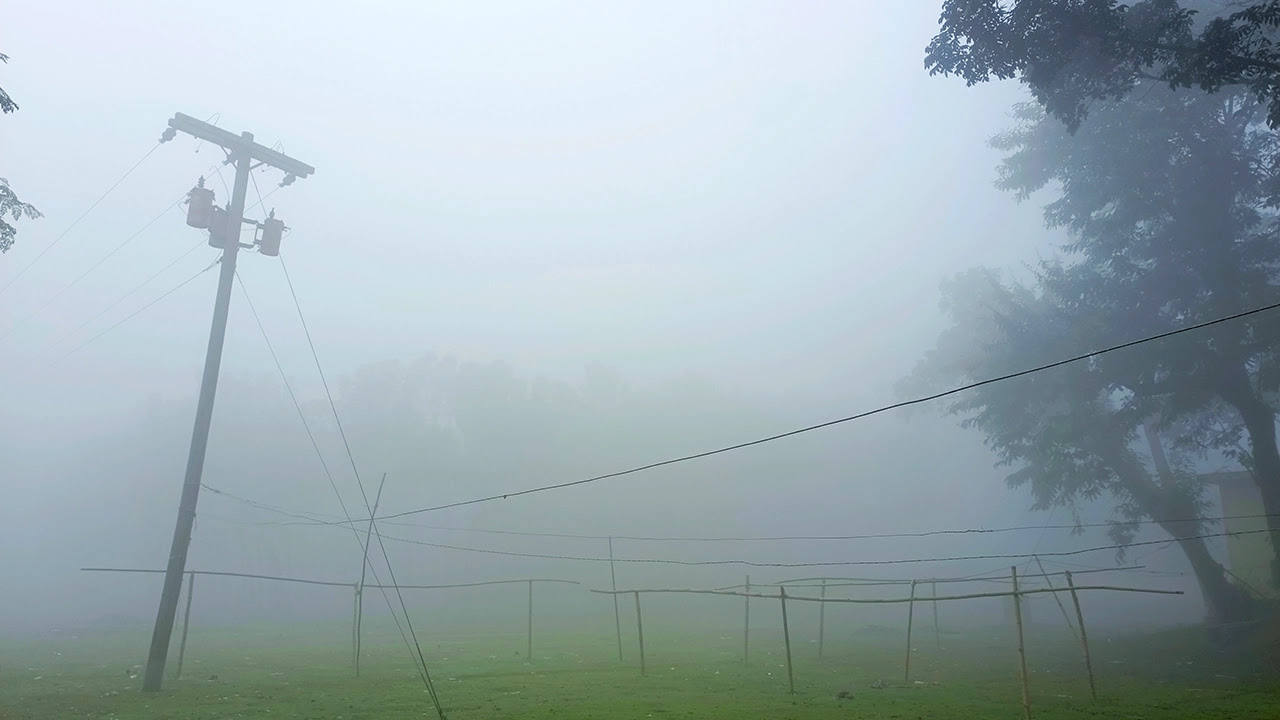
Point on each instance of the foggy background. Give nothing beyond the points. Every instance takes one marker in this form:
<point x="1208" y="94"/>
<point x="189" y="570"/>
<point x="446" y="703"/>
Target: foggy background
<point x="542" y="243"/>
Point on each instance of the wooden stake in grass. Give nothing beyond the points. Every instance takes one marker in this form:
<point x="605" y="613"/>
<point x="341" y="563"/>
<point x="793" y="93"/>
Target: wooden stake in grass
<point x="186" y="624"/>
<point x="937" y="637"/>
<point x="1022" y="653"/>
<point x="822" y="617"/>
<point x="1056" y="599"/>
<point x="746" y="627"/>
<point x="355" y="626"/>
<point x="364" y="567"/>
<point x="617" y="616"/>
<point x="640" y="632"/>
<point x="911" y="611"/>
<point x="529" y="649"/>
<point x="1084" y="637"/>
<point x="786" y="638"/>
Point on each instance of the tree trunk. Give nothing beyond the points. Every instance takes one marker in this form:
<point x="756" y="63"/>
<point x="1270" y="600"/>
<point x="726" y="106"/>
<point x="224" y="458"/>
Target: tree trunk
<point x="1224" y="602"/>
<point x="1260" y="422"/>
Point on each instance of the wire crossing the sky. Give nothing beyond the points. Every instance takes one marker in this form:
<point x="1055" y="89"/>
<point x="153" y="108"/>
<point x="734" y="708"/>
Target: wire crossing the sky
<point x="746" y="563"/>
<point x="838" y="421"/>
<point x="76" y="222"/>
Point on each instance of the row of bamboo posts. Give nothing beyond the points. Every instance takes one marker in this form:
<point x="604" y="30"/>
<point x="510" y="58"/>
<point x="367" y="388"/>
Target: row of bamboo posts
<point x="747" y="591"/>
<point x="1017" y="592"/>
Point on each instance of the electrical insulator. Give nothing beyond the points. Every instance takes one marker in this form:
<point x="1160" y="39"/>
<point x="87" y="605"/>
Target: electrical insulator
<point x="272" y="231"/>
<point x="199" y="206"/>
<point x="217" y="227"/>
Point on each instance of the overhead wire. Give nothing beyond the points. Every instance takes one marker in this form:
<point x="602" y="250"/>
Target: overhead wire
<point x="101" y="260"/>
<point x="332" y="483"/>
<point x="426" y="673"/>
<point x="82" y="216"/>
<point x="839" y="421"/>
<point x="750" y="563"/>
<point x="130" y="316"/>
<point x="804" y="538"/>
<point x="125" y="296"/>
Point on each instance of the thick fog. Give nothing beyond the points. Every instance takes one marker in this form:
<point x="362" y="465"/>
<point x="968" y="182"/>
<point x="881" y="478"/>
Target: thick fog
<point x="541" y="244"/>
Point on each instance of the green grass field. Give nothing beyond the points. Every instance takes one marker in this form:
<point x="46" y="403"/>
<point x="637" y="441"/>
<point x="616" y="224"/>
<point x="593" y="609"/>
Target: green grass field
<point x="296" y="673"/>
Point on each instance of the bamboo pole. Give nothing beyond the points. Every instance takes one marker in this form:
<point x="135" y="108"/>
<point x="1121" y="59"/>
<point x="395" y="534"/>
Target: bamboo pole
<point x="355" y="614"/>
<point x="892" y="601"/>
<point x="1056" y="598"/>
<point x="1084" y="637"/>
<point x="786" y="638"/>
<point x="746" y="626"/>
<point x="911" y="611"/>
<point x="364" y="568"/>
<point x="822" y="618"/>
<point x="1022" y="652"/>
<point x="529" y="649"/>
<point x="617" y="616"/>
<point x="640" y="633"/>
<point x="186" y="624"/>
<point x="937" y="636"/>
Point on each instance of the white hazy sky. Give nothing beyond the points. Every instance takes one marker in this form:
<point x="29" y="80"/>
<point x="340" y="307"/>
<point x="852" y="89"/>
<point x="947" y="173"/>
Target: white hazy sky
<point x="766" y="193"/>
<point x="763" y="193"/>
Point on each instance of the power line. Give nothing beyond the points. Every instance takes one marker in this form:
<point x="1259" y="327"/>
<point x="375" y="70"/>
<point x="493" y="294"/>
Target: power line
<point x="328" y="394"/>
<point x="297" y="406"/>
<point x="101" y="260"/>
<point x="838" y="421"/>
<point x="76" y="222"/>
<point x="748" y="563"/>
<point x="128" y="317"/>
<point x="806" y="538"/>
<point x="125" y="296"/>
<point x="426" y="673"/>
<point x="842" y="563"/>
<point x="307" y="426"/>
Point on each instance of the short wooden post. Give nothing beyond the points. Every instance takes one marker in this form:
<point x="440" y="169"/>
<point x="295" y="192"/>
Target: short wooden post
<point x="786" y="638"/>
<point x="529" y="649"/>
<point x="617" y="616"/>
<point x="186" y="624"/>
<point x="355" y="627"/>
<point x="746" y="627"/>
<point x="1084" y="637"/>
<point x="364" y="567"/>
<point x="937" y="636"/>
<point x="822" y="617"/>
<point x="1056" y="599"/>
<point x="640" y="632"/>
<point x="911" y="611"/>
<point x="1022" y="652"/>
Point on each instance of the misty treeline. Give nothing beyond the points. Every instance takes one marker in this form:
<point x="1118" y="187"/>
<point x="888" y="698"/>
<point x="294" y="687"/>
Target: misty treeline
<point x="1168" y="202"/>
<point x="443" y="430"/>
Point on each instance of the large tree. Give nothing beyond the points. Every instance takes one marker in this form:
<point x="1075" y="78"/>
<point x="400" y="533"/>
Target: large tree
<point x="1071" y="431"/>
<point x="1072" y="53"/>
<point x="1166" y="199"/>
<point x="10" y="206"/>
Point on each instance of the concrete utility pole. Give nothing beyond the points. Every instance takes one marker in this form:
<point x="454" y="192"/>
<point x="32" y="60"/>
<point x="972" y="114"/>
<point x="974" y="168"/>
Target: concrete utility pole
<point x="246" y="155"/>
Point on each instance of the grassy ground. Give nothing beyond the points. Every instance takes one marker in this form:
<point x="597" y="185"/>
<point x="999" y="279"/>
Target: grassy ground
<point x="297" y="675"/>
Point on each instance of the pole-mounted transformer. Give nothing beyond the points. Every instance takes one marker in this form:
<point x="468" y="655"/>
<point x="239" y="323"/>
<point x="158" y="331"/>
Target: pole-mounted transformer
<point x="200" y="206"/>
<point x="272" y="231"/>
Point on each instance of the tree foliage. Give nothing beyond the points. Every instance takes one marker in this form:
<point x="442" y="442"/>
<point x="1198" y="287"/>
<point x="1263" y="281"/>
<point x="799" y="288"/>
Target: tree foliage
<point x="1071" y="432"/>
<point x="11" y="208"/>
<point x="1072" y="53"/>
<point x="1169" y="201"/>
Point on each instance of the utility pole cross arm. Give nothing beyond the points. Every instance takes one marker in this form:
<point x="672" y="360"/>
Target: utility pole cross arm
<point x="245" y="146"/>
